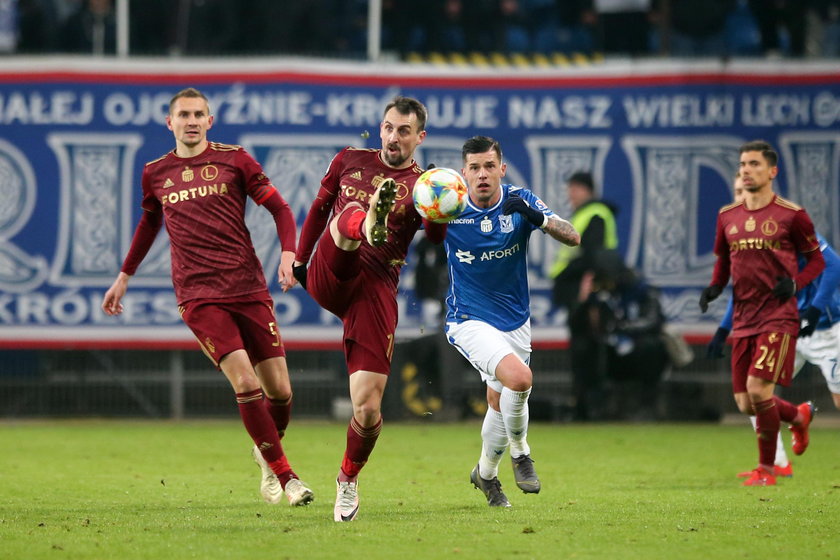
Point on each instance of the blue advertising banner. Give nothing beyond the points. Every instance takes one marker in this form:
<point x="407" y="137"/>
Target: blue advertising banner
<point x="661" y="142"/>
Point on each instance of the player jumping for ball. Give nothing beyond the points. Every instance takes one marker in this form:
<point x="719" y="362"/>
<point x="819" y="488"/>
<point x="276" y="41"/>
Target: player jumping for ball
<point x="365" y="204"/>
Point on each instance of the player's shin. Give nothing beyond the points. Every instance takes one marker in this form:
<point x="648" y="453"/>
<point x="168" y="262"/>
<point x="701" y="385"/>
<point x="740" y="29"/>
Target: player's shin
<point x="360" y="444"/>
<point x="767" y="422"/>
<point x="515" y="414"/>
<point x="494" y="443"/>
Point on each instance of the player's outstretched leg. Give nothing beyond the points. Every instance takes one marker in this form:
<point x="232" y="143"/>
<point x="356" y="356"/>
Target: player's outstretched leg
<point x="525" y="475"/>
<point x="799" y="431"/>
<point x="492" y="489"/>
<point x="346" y="501"/>
<point x="270" y="487"/>
<point x="381" y="204"/>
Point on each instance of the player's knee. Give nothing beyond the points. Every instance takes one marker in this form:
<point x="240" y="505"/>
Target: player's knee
<point x="520" y="380"/>
<point x="245" y="383"/>
<point x="278" y="393"/>
<point x="745" y="408"/>
<point x="366" y="413"/>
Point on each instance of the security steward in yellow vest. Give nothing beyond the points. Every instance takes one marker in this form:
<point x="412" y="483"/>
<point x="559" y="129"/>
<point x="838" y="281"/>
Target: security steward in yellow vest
<point x="595" y="220"/>
<point x="589" y="355"/>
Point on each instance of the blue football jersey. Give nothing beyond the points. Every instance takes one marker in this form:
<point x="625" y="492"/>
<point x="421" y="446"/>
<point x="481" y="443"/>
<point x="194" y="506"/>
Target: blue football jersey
<point x="822" y="293"/>
<point x="486" y="254"/>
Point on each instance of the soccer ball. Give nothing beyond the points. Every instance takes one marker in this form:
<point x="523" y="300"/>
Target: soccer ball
<point x="440" y="195"/>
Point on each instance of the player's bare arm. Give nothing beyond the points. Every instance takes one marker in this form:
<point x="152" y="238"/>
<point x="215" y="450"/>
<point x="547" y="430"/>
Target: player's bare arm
<point x="562" y="231"/>
<point x="111" y="302"/>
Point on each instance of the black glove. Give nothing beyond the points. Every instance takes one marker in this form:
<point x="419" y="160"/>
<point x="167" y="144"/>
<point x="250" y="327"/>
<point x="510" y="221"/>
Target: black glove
<point x="709" y="293"/>
<point x="299" y="272"/>
<point x="516" y="203"/>
<point x="785" y="288"/>
<point x="715" y="347"/>
<point x="430" y="166"/>
<point x="808" y="321"/>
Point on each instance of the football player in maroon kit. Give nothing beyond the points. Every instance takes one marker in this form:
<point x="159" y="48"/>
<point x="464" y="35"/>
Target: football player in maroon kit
<point x="365" y="204"/>
<point x="199" y="190"/>
<point x="757" y="242"/>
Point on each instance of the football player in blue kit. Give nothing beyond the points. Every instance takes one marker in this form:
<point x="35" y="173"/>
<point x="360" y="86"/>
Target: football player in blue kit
<point x="488" y="315"/>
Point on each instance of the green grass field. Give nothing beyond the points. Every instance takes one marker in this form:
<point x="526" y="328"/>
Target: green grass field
<point x="109" y="489"/>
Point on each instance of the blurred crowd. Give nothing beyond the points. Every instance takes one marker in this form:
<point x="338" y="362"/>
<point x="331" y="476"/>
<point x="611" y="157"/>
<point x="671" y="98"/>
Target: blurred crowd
<point x="338" y="28"/>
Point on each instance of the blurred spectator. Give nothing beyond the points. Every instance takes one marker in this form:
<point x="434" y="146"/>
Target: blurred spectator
<point x="572" y="272"/>
<point x="698" y="27"/>
<point x="8" y="26"/>
<point x="483" y="25"/>
<point x="208" y="27"/>
<point x="405" y="26"/>
<point x="594" y="219"/>
<point x="300" y="27"/>
<point x="565" y="26"/>
<point x="91" y="29"/>
<point x="515" y="19"/>
<point x="828" y="14"/>
<point x="775" y="15"/>
<point x="619" y="325"/>
<point x="624" y="26"/>
<point x="444" y="30"/>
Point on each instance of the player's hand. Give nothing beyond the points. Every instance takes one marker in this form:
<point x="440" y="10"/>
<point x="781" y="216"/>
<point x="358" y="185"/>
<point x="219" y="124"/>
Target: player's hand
<point x="299" y="272"/>
<point x="709" y="293"/>
<point x="785" y="288"/>
<point x="808" y="321"/>
<point x="516" y="203"/>
<point x="284" y="271"/>
<point x="430" y="166"/>
<point x="715" y="347"/>
<point x="111" y="302"/>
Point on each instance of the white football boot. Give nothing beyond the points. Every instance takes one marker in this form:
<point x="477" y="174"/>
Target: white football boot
<point x="346" y="501"/>
<point x="270" y="487"/>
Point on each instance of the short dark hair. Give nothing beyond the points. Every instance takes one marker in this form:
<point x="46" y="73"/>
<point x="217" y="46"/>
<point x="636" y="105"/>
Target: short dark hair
<point x="479" y="145"/>
<point x="583" y="178"/>
<point x="188" y="92"/>
<point x="761" y="146"/>
<point x="406" y="106"/>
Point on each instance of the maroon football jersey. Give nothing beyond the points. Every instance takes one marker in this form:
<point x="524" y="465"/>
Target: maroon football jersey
<point x="762" y="245"/>
<point x="203" y="203"/>
<point x="353" y="175"/>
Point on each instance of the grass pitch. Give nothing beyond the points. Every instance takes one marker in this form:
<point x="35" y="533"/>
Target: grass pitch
<point x="159" y="490"/>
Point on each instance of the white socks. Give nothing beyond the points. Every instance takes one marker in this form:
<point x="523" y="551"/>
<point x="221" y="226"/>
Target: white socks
<point x="781" y="456"/>
<point x="494" y="442"/>
<point x="510" y="426"/>
<point x="514" y="407"/>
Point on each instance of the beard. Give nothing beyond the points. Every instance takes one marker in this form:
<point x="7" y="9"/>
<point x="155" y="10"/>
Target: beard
<point x="394" y="160"/>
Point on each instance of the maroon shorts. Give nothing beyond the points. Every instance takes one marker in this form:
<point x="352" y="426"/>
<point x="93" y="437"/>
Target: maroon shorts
<point x="224" y="326"/>
<point x="365" y="303"/>
<point x="769" y="356"/>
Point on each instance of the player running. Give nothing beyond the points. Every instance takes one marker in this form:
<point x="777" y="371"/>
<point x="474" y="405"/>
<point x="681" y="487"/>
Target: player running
<point x="200" y="189"/>
<point x="758" y="241"/>
<point x="819" y="333"/>
<point x="488" y="314"/>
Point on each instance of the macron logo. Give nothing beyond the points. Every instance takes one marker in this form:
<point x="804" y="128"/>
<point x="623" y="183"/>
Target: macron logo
<point x="464" y="256"/>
